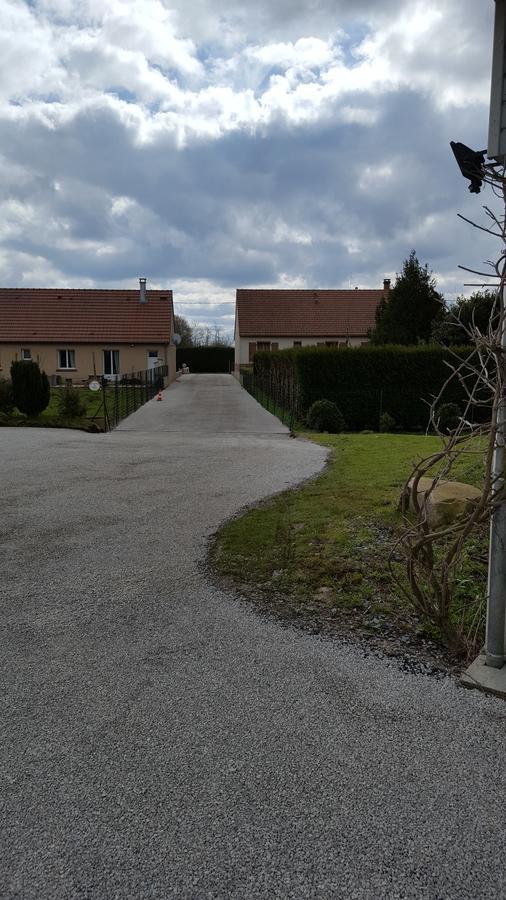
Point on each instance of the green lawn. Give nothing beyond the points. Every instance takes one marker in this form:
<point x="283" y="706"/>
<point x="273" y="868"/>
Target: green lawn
<point x="324" y="546"/>
<point x="128" y="398"/>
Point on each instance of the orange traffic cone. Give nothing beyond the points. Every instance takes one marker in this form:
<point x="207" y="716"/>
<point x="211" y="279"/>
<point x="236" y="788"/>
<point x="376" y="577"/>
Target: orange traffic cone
<point x="159" y="396"/>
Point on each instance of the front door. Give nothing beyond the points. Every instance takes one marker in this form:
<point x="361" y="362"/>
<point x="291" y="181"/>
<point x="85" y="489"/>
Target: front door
<point x="152" y="358"/>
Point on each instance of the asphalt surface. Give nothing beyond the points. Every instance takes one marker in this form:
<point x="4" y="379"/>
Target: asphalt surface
<point x="159" y="738"/>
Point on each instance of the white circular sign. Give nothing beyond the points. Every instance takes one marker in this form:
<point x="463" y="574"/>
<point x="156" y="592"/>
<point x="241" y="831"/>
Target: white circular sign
<point x="94" y="386"/>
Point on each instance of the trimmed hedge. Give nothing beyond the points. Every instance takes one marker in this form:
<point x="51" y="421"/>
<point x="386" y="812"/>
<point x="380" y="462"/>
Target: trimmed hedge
<point x="206" y="359"/>
<point x="364" y="382"/>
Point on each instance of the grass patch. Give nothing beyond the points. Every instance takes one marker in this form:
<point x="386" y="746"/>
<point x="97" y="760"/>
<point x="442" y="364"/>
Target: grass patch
<point x="128" y="398"/>
<point x="324" y="546"/>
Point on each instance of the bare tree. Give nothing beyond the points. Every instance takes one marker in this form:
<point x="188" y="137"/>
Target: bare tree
<point x="443" y="571"/>
<point x="184" y="329"/>
<point x="209" y="336"/>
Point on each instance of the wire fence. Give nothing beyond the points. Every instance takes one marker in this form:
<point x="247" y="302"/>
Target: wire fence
<point x="124" y="394"/>
<point x="274" y="395"/>
<point x="362" y="410"/>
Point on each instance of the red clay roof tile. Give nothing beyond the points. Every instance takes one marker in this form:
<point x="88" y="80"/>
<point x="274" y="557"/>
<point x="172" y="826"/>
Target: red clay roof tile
<point x="295" y="313"/>
<point x="52" y="315"/>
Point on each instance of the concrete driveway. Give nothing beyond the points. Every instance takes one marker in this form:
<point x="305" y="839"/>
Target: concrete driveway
<point x="160" y="739"/>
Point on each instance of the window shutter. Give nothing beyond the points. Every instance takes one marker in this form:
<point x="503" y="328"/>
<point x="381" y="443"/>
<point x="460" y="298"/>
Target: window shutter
<point x="274" y="345"/>
<point x="252" y="350"/>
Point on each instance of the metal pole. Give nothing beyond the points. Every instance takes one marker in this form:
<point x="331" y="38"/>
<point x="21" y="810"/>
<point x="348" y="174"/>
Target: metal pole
<point x="496" y="611"/>
<point x="107" y="424"/>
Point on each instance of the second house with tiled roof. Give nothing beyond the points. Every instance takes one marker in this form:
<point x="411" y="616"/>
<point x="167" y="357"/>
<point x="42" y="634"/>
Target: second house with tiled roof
<point x="76" y="335"/>
<point x="277" y="319"/>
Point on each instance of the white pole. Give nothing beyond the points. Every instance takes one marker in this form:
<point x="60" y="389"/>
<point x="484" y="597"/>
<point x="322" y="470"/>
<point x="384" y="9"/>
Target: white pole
<point x="496" y="609"/>
<point x="496" y="606"/>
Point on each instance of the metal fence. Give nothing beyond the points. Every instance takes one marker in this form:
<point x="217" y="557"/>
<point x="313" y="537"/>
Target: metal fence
<point x="124" y="394"/>
<point x="275" y="396"/>
<point x="361" y="410"/>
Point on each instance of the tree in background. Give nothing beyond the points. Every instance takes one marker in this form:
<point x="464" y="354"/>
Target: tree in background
<point x="209" y="336"/>
<point x="455" y="326"/>
<point x="413" y="305"/>
<point x="30" y="387"/>
<point x="185" y="331"/>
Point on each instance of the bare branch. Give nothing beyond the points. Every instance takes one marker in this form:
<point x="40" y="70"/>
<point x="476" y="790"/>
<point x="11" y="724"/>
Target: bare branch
<point x="481" y="227"/>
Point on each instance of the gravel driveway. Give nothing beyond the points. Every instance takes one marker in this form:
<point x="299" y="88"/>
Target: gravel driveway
<point x="160" y="739"/>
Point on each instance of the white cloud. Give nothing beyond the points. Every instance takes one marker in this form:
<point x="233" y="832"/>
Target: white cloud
<point x="27" y="53"/>
<point x="209" y="145"/>
<point x="146" y="27"/>
<point x="306" y="53"/>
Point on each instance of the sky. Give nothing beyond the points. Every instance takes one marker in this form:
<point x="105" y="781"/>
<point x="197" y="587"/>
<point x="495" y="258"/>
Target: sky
<point x="208" y="145"/>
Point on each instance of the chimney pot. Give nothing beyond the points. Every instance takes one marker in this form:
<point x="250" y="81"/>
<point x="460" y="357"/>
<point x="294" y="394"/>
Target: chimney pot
<point x="386" y="285"/>
<point x="142" y="291"/>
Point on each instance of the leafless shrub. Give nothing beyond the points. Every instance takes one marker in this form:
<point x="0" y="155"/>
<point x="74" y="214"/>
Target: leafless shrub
<point x="441" y="569"/>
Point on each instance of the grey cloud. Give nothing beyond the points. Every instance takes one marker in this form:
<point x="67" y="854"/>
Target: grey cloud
<point x="309" y="177"/>
<point x="209" y="211"/>
<point x="277" y="20"/>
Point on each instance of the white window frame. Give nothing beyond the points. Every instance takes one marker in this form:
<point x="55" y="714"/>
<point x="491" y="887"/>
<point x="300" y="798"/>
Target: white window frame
<point x="26" y="354"/>
<point x="113" y="360"/>
<point x="67" y="353"/>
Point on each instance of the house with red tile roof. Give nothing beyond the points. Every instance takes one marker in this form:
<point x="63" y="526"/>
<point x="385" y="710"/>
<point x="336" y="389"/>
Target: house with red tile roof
<point x="277" y="319"/>
<point x="76" y="335"/>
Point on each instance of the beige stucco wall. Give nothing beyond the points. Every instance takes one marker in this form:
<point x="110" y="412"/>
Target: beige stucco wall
<point x="242" y="344"/>
<point x="88" y="358"/>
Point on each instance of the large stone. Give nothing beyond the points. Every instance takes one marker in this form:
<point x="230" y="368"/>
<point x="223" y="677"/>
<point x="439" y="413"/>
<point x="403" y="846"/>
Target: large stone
<point x="445" y="503"/>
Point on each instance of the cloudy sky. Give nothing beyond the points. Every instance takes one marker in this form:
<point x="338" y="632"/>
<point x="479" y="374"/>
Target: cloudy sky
<point x="210" y="144"/>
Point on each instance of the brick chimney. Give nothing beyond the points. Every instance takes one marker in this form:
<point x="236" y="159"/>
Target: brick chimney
<point x="142" y="291"/>
<point x="386" y="285"/>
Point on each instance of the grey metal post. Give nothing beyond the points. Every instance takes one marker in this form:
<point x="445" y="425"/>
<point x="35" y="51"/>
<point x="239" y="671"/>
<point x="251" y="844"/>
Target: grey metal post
<point x="496" y="612"/>
<point x="496" y="607"/>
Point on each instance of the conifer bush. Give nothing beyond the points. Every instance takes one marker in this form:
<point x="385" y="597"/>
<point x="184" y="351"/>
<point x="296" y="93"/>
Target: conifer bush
<point x="6" y="398"/>
<point x="70" y="403"/>
<point x="30" y="387"/>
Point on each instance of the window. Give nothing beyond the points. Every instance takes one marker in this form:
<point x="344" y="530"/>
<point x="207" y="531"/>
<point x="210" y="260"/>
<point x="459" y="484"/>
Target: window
<point x="26" y="354"/>
<point x="297" y="343"/>
<point x="111" y="362"/>
<point x="263" y="345"/>
<point x="66" y="359"/>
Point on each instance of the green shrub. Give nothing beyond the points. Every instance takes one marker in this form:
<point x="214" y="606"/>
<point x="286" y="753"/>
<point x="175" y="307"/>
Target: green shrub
<point x="363" y="381"/>
<point x="70" y="403"/>
<point x="386" y="423"/>
<point x="6" y="397"/>
<point x="448" y="416"/>
<point x="30" y="388"/>
<point x="325" y="416"/>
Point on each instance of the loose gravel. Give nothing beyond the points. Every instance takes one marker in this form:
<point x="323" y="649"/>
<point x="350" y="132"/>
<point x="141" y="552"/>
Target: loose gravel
<point x="159" y="738"/>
